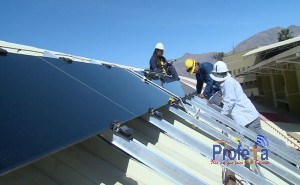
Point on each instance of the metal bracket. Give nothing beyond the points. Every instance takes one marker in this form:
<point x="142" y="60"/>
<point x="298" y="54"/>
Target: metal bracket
<point x="124" y="130"/>
<point x="3" y="52"/>
<point x="108" y="66"/>
<point x="155" y="113"/>
<point x="67" y="60"/>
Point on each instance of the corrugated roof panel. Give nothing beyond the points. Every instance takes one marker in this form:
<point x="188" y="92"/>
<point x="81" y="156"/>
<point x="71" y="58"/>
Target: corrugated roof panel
<point x="90" y="162"/>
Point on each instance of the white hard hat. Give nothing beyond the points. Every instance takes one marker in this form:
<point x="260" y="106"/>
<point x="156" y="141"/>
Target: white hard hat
<point x="220" y="67"/>
<point x="159" y="46"/>
<point x="220" y="71"/>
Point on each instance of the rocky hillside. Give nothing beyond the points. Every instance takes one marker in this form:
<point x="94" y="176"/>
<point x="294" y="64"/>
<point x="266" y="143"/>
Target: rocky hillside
<point x="265" y="38"/>
<point x="179" y="64"/>
<point x="260" y="39"/>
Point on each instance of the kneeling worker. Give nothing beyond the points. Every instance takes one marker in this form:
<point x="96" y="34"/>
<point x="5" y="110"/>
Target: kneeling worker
<point x="159" y="64"/>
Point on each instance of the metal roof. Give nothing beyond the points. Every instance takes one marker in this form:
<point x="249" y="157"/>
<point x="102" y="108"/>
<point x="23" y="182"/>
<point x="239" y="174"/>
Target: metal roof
<point x="276" y="62"/>
<point x="170" y="144"/>
<point x="272" y="46"/>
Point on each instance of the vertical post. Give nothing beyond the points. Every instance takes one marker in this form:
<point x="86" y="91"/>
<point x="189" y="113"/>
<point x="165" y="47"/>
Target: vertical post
<point x="229" y="175"/>
<point x="273" y="90"/>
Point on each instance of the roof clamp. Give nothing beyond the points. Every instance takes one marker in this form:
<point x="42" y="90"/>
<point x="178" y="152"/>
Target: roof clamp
<point x="174" y="103"/>
<point x="3" y="52"/>
<point x="67" y="60"/>
<point x="124" y="130"/>
<point x="155" y="113"/>
<point x="145" y="79"/>
<point x="109" y="66"/>
<point x="189" y="96"/>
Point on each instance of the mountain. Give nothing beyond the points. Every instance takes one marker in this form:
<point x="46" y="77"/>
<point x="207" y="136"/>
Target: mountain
<point x="265" y="38"/>
<point x="295" y="30"/>
<point x="260" y="39"/>
<point x="179" y="63"/>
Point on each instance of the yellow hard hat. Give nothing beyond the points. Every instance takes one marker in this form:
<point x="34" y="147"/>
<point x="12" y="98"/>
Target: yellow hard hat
<point x="190" y="65"/>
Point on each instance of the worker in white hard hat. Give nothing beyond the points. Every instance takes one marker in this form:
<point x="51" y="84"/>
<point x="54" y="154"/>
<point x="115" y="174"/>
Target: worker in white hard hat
<point x="235" y="102"/>
<point x="159" y="64"/>
<point x="202" y="72"/>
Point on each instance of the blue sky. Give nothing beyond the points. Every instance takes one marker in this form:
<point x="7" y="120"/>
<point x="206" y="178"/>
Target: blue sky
<point x="126" y="31"/>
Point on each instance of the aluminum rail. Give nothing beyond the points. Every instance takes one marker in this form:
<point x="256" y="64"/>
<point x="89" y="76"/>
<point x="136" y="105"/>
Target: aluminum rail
<point x="205" y="150"/>
<point x="212" y="132"/>
<point x="244" y="140"/>
<point x="54" y="54"/>
<point x="152" y="159"/>
<point x="276" y="140"/>
<point x="219" y="109"/>
<point x="277" y="149"/>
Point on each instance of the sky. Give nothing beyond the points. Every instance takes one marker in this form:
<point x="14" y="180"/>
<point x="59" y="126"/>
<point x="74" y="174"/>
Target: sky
<point x="126" y="31"/>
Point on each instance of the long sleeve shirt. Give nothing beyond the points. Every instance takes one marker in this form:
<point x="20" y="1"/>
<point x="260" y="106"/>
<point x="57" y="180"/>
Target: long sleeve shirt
<point x="203" y="77"/>
<point x="236" y="103"/>
<point x="158" y="64"/>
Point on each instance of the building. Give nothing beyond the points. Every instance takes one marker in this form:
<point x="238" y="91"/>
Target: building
<point x="271" y="73"/>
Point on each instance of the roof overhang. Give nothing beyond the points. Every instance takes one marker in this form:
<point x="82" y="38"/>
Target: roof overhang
<point x="275" y="64"/>
<point x="271" y="47"/>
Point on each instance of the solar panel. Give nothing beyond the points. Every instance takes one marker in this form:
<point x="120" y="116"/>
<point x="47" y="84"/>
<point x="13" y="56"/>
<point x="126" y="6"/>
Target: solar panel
<point x="178" y="88"/>
<point x="47" y="104"/>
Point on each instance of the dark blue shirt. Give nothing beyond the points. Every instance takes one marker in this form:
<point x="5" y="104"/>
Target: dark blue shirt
<point x="203" y="77"/>
<point x="155" y="64"/>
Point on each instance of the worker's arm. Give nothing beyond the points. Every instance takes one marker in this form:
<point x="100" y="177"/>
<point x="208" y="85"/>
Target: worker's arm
<point x="153" y="63"/>
<point x="229" y="99"/>
<point x="199" y="84"/>
<point x="209" y="84"/>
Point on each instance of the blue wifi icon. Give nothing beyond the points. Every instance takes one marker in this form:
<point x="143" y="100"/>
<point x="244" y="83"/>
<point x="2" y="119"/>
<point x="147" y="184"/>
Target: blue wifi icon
<point x="261" y="141"/>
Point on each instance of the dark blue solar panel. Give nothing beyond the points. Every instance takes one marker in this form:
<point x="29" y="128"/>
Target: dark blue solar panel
<point x="176" y="87"/>
<point x="118" y="84"/>
<point x="47" y="104"/>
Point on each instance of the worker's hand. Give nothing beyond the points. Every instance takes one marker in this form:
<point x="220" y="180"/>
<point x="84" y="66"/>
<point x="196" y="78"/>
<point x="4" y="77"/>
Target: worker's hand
<point x="201" y="96"/>
<point x="209" y="102"/>
<point x="171" y="62"/>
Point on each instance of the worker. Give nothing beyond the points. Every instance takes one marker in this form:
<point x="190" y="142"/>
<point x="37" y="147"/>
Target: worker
<point x="235" y="102"/>
<point x="202" y="72"/>
<point x="159" y="64"/>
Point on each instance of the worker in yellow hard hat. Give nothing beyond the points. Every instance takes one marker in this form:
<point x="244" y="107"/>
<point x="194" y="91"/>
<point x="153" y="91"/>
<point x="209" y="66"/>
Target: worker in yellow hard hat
<point x="202" y="72"/>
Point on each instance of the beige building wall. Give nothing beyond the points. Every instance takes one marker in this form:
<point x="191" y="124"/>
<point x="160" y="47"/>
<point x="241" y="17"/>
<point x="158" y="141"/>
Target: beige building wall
<point x="280" y="89"/>
<point x="298" y="75"/>
<point x="292" y="90"/>
<point x="237" y="63"/>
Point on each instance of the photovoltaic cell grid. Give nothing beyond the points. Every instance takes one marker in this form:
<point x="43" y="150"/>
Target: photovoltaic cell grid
<point x="47" y="104"/>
